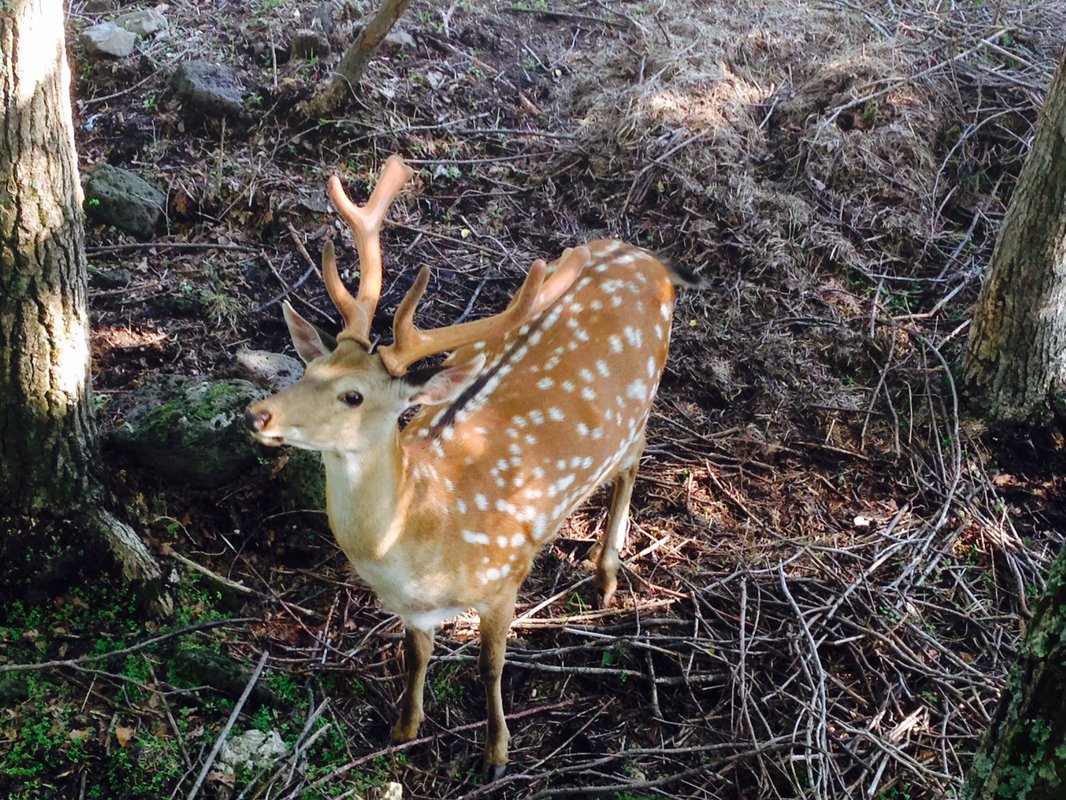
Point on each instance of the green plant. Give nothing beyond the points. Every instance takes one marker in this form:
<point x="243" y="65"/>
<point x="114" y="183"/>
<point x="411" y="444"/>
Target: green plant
<point x="446" y="683"/>
<point x="576" y="604"/>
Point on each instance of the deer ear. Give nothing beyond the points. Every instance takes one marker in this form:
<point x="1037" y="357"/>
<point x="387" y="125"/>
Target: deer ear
<point x="443" y="385"/>
<point x="307" y="338"/>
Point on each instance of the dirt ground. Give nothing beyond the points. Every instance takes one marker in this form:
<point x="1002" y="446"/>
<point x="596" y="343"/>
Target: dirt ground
<point x="829" y="566"/>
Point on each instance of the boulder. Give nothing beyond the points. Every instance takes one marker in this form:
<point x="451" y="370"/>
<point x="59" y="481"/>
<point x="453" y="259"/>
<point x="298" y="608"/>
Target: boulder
<point x="301" y="483"/>
<point x="322" y="18"/>
<point x="275" y="371"/>
<point x="190" y="429"/>
<point x="116" y="278"/>
<point x="400" y="39"/>
<point x="123" y="199"/>
<point x="309" y="43"/>
<point x="212" y="89"/>
<point x="143" y="23"/>
<point x="108" y="39"/>
<point x="253" y="749"/>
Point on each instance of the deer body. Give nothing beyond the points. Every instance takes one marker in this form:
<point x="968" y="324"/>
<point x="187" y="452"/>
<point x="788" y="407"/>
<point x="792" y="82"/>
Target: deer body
<point x="533" y="410"/>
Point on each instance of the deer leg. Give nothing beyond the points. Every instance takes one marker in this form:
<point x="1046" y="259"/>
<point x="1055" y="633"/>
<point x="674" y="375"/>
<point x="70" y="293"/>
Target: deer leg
<point x="614" y="534"/>
<point x="495" y="622"/>
<point x="418" y="645"/>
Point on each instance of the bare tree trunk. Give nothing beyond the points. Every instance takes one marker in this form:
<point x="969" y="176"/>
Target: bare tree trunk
<point x="350" y="71"/>
<point x="46" y="429"/>
<point x="1015" y="364"/>
<point x="1023" y="754"/>
<point x="48" y="452"/>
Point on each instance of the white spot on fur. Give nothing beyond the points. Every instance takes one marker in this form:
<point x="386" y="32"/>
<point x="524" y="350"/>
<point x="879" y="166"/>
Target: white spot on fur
<point x="475" y="537"/>
<point x="540" y="527"/>
<point x="637" y="390"/>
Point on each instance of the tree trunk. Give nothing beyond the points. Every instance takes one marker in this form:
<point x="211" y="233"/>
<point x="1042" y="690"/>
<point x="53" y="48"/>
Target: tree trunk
<point x="1015" y="364"/>
<point x="46" y="428"/>
<point x="355" y="59"/>
<point x="1023" y="754"/>
<point x="48" y="451"/>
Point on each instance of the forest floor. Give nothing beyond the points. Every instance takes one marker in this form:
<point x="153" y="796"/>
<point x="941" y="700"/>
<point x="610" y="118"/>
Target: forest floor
<point x="829" y="566"/>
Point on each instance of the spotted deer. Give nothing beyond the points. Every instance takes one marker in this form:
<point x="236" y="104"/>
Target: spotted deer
<point x="534" y="408"/>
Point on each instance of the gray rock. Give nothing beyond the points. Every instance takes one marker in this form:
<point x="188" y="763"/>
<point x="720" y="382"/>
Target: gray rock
<point x="115" y="278"/>
<point x="108" y="39"/>
<point x="191" y="429"/>
<point x="142" y="23"/>
<point x="212" y="89"/>
<point x="323" y="18"/>
<point x="252" y="749"/>
<point x="399" y="38"/>
<point x="273" y="370"/>
<point x="123" y="199"/>
<point x="309" y="43"/>
<point x="182" y="304"/>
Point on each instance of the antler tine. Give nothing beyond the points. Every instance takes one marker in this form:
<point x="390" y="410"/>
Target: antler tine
<point x="411" y="344"/>
<point x="571" y="262"/>
<point x="365" y="223"/>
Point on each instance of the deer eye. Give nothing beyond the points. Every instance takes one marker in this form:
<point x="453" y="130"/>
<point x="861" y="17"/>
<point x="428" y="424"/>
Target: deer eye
<point x="352" y="398"/>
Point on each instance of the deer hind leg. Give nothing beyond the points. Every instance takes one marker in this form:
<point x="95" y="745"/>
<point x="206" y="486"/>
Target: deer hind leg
<point x="605" y="553"/>
<point x="418" y="645"/>
<point x="495" y="622"/>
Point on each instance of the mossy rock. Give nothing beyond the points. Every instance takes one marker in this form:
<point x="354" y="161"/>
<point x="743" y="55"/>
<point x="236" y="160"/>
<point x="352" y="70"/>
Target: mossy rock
<point x="123" y="199"/>
<point x="303" y="481"/>
<point x="191" y="430"/>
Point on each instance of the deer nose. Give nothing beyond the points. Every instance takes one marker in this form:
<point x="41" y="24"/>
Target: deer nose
<point x="257" y="420"/>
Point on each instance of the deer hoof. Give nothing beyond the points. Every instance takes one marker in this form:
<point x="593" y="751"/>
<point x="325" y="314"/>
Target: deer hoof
<point x="493" y="772"/>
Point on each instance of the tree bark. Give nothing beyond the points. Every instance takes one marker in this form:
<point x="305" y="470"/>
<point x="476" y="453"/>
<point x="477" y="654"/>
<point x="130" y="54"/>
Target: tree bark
<point x="46" y="428"/>
<point x="350" y="71"/>
<point x="48" y="454"/>
<point x="1015" y="364"/>
<point x="1023" y="755"/>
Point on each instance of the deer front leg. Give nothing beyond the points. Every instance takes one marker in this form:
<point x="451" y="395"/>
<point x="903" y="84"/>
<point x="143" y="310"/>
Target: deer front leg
<point x="613" y="540"/>
<point x="418" y="645"/>
<point x="495" y="622"/>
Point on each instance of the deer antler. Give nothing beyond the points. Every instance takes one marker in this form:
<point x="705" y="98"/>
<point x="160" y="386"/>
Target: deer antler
<point x="411" y="344"/>
<point x="365" y="223"/>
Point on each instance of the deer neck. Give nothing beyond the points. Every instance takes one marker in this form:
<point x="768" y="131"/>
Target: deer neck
<point x="363" y="499"/>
